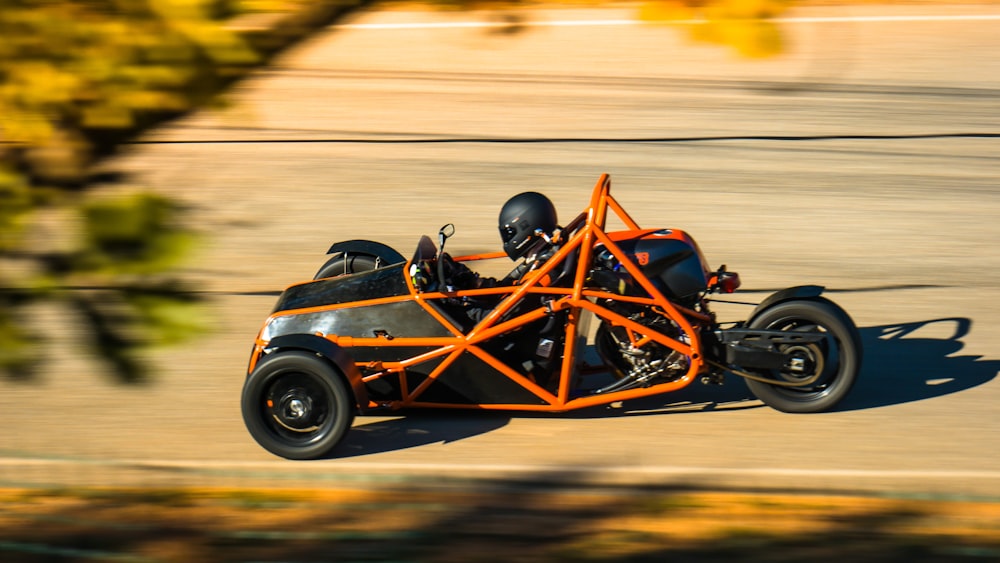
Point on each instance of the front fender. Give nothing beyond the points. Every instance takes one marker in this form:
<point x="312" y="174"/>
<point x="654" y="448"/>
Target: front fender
<point x="333" y="353"/>
<point x="383" y="252"/>
<point x="787" y="294"/>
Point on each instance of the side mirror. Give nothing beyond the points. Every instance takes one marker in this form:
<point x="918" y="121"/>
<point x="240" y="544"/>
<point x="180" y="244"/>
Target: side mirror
<point x="444" y="234"/>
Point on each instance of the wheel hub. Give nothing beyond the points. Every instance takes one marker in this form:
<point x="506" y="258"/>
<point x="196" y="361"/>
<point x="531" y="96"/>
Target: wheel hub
<point x="295" y="411"/>
<point x="801" y="361"/>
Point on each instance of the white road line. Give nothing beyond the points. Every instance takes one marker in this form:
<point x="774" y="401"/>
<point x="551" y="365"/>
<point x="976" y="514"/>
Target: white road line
<point x="626" y="22"/>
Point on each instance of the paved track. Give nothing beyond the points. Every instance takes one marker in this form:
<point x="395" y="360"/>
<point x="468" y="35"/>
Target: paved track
<point x="866" y="158"/>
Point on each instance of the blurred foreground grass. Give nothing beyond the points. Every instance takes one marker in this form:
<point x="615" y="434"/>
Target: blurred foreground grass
<point x="503" y="523"/>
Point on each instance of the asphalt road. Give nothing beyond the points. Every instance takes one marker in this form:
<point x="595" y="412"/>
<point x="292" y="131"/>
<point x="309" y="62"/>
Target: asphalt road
<point x="865" y="158"/>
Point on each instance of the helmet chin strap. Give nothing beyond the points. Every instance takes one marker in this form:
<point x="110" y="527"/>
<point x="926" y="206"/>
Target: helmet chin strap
<point x="542" y="234"/>
<point x="537" y="248"/>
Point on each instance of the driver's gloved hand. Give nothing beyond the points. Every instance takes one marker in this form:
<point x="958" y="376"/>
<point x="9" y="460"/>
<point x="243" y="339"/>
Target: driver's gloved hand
<point x="459" y="275"/>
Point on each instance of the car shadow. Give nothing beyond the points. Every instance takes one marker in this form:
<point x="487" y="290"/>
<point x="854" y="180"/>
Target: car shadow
<point x="903" y="363"/>
<point x="914" y="361"/>
<point x="417" y="428"/>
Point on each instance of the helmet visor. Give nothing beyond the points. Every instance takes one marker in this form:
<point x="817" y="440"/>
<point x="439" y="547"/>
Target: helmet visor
<point x="507" y="233"/>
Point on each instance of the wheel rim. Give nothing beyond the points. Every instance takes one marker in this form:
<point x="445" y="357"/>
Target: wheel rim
<point x="805" y="360"/>
<point x="297" y="407"/>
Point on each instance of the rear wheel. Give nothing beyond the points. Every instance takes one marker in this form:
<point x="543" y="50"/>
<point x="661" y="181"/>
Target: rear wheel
<point x="296" y="405"/>
<point x="833" y="362"/>
<point x="346" y="263"/>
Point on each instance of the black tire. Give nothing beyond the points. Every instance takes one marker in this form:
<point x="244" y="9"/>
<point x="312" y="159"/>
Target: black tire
<point x="345" y="263"/>
<point x="296" y="405"/>
<point x="841" y="356"/>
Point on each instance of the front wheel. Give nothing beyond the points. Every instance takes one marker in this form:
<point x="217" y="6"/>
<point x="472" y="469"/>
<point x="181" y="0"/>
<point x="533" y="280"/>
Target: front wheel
<point x="833" y="362"/>
<point x="296" y="405"/>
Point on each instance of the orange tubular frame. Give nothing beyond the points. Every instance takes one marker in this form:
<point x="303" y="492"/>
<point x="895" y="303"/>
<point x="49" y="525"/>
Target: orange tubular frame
<point x="582" y="234"/>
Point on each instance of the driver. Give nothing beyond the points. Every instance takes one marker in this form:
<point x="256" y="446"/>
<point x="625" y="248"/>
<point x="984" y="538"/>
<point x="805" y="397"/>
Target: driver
<point x="527" y="224"/>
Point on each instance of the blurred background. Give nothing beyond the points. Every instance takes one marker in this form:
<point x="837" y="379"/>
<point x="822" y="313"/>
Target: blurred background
<point x="167" y="167"/>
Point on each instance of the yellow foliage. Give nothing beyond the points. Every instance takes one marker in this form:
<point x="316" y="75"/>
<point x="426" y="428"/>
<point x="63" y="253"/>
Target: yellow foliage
<point x="38" y="83"/>
<point x="745" y="9"/>
<point x="98" y="64"/>
<point x="156" y="75"/>
<point x="77" y="79"/>
<point x="107" y="116"/>
<point x="265" y="5"/>
<point x="15" y="200"/>
<point x="221" y="45"/>
<point x="741" y="24"/>
<point x="666" y="11"/>
<point x="23" y="128"/>
<point x="153" y="100"/>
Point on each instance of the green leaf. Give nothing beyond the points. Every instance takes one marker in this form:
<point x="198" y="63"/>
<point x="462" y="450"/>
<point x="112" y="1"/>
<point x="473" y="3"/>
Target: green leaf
<point x="137" y="234"/>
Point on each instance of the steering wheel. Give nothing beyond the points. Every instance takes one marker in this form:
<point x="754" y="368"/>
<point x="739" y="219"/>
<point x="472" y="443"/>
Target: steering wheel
<point x="448" y="271"/>
<point x="442" y="274"/>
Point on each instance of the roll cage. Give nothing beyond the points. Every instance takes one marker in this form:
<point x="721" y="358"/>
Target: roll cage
<point x="571" y="297"/>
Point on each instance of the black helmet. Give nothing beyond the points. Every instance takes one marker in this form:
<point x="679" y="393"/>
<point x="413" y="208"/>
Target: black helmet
<point x="520" y="218"/>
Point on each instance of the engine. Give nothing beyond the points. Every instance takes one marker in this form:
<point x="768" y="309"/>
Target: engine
<point x="640" y="366"/>
<point x="676" y="267"/>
